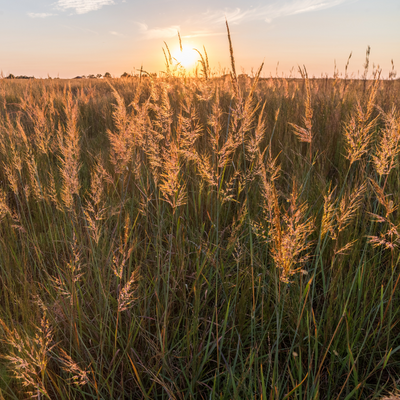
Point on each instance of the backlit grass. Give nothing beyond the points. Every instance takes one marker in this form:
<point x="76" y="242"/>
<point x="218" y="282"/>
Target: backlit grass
<point x="194" y="238"/>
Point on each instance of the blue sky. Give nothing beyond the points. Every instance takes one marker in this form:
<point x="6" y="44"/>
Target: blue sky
<point x="66" y="38"/>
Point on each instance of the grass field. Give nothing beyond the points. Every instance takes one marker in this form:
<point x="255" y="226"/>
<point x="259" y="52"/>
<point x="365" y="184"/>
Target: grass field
<point x="193" y="238"/>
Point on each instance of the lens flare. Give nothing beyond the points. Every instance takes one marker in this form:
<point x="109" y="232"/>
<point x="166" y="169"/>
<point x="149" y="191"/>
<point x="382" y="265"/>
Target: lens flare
<point x="187" y="57"/>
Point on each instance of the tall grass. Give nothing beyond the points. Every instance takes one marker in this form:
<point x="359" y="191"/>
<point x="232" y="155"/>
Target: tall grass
<point x="194" y="238"/>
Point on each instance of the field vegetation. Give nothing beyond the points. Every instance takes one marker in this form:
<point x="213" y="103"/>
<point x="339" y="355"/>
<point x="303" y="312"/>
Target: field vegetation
<point x="199" y="238"/>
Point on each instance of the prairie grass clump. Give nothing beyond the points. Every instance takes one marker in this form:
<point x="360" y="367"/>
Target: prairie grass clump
<point x="167" y="238"/>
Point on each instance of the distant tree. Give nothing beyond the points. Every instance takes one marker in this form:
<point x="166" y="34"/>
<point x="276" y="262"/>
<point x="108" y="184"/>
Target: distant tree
<point x="107" y="75"/>
<point x="91" y="76"/>
<point x="99" y="76"/>
<point x="125" y="75"/>
<point x="24" y="77"/>
<point x="11" y="76"/>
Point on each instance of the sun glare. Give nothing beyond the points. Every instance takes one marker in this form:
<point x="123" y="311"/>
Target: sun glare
<point x="187" y="57"/>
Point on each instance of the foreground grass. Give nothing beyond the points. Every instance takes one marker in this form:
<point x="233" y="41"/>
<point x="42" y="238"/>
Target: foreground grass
<point x="193" y="238"/>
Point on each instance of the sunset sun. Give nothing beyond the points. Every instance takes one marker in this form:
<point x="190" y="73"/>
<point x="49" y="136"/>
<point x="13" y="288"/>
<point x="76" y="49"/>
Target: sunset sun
<point x="187" y="57"/>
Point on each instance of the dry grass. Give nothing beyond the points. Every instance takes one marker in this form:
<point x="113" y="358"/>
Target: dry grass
<point x="172" y="238"/>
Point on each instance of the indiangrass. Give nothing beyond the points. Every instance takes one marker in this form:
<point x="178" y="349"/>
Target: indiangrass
<point x="199" y="238"/>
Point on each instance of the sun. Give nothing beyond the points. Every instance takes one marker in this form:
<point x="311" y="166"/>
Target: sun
<point x="187" y="57"/>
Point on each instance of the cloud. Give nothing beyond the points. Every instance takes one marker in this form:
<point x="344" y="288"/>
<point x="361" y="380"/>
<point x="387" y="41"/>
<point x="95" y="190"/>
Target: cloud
<point x="266" y="13"/>
<point x="40" y="15"/>
<point x="195" y="34"/>
<point x="116" y="33"/>
<point x="298" y="7"/>
<point x="82" y="6"/>
<point x="219" y="16"/>
<point x="158" y="33"/>
<point x="271" y="11"/>
<point x="172" y="31"/>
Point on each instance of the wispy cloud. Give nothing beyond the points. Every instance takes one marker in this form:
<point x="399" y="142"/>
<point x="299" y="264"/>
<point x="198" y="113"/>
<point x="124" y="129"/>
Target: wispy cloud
<point x="195" y="34"/>
<point x="235" y="15"/>
<point x="40" y="15"/>
<point x="267" y="13"/>
<point x="158" y="33"/>
<point x="82" y="6"/>
<point x="116" y="33"/>
<point x="271" y="11"/>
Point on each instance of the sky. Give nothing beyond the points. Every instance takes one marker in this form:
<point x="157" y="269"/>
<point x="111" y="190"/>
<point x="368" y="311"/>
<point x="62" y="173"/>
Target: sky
<point x="66" y="38"/>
